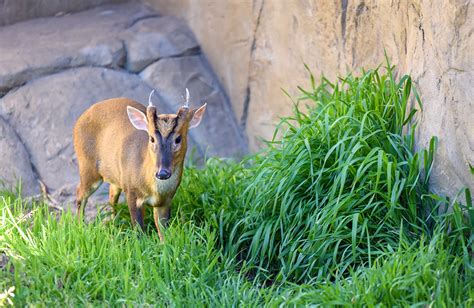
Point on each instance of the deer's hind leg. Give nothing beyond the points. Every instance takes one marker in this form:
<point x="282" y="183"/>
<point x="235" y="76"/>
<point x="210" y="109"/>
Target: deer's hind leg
<point x="90" y="182"/>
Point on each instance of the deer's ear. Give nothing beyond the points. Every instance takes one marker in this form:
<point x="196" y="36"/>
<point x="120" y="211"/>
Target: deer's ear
<point x="137" y="118"/>
<point x="197" y="116"/>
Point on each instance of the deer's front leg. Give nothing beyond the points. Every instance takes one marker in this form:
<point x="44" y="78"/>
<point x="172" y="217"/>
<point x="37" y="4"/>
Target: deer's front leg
<point x="161" y="214"/>
<point x="135" y="207"/>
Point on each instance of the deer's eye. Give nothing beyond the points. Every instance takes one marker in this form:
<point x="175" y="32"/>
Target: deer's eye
<point x="152" y="140"/>
<point x="177" y="140"/>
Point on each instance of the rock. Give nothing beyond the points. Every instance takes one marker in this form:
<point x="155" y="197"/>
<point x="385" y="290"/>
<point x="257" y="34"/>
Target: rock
<point x="219" y="124"/>
<point x="15" y="165"/>
<point x="151" y="39"/>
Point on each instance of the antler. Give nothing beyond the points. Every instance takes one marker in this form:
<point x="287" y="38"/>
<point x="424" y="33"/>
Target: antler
<point x="183" y="111"/>
<point x="151" y="109"/>
<point x="186" y="102"/>
<point x="150" y="104"/>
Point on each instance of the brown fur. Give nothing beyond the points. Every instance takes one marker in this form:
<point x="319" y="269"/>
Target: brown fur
<point x="109" y="148"/>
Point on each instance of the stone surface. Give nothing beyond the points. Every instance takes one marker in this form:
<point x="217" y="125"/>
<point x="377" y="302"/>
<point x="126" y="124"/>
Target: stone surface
<point x="257" y="47"/>
<point x="191" y="72"/>
<point x="16" y="166"/>
<point x="145" y="44"/>
<point x="53" y="69"/>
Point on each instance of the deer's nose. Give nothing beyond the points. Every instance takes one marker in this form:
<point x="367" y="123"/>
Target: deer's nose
<point x="163" y="174"/>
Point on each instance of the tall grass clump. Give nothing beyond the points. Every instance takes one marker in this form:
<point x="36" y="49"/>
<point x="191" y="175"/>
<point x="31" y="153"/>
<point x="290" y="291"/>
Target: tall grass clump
<point x="342" y="185"/>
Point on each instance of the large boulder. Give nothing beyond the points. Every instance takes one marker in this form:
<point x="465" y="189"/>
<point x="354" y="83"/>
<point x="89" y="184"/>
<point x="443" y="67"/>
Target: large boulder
<point x="145" y="45"/>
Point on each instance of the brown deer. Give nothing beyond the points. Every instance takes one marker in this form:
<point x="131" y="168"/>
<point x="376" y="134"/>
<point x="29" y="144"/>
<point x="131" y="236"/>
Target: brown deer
<point x="111" y="145"/>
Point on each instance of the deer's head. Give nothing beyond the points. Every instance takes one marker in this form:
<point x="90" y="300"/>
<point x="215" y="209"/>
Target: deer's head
<point x="167" y="134"/>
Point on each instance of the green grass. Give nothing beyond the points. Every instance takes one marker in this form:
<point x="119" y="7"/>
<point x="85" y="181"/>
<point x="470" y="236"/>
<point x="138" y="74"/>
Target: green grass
<point x="62" y="261"/>
<point x="336" y="210"/>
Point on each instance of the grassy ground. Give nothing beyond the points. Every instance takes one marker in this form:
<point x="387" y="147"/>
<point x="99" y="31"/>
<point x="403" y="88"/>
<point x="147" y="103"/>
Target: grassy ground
<point x="336" y="210"/>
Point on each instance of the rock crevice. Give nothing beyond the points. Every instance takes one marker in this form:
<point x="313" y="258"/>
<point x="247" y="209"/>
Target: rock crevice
<point x="248" y="93"/>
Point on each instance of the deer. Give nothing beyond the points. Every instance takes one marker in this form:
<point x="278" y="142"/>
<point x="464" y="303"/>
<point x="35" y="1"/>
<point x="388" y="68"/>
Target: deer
<point x="137" y="151"/>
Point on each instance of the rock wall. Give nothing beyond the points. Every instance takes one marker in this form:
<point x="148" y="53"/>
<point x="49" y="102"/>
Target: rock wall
<point x="258" y="47"/>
